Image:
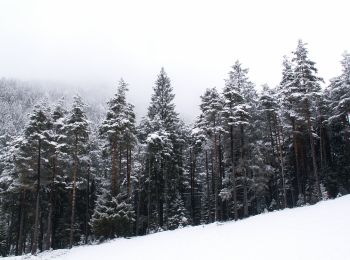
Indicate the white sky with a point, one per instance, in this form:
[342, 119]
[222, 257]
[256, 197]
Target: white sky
[94, 43]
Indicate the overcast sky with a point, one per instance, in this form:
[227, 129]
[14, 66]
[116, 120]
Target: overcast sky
[94, 43]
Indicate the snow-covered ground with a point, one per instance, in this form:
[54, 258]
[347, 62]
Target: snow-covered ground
[319, 232]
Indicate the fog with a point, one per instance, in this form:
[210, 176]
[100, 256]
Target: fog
[92, 44]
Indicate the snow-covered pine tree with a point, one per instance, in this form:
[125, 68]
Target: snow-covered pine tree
[112, 129]
[202, 192]
[339, 91]
[305, 93]
[32, 156]
[273, 143]
[193, 157]
[12, 191]
[338, 101]
[78, 136]
[239, 97]
[57, 156]
[164, 152]
[94, 174]
[289, 116]
[233, 98]
[119, 132]
[3, 234]
[209, 124]
[178, 214]
[113, 215]
[129, 142]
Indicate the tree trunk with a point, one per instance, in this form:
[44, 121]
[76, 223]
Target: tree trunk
[313, 150]
[322, 154]
[87, 215]
[220, 178]
[37, 208]
[48, 242]
[208, 186]
[271, 135]
[139, 189]
[41, 237]
[234, 195]
[19, 244]
[9, 238]
[128, 170]
[149, 192]
[75, 170]
[245, 188]
[216, 175]
[212, 178]
[192, 183]
[165, 193]
[281, 159]
[161, 194]
[49, 224]
[114, 168]
[119, 172]
[296, 154]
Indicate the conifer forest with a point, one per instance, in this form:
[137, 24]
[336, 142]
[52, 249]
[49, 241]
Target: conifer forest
[74, 173]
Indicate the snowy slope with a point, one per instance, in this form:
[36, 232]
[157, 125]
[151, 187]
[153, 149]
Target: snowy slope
[319, 232]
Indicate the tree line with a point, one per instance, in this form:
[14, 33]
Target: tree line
[67, 180]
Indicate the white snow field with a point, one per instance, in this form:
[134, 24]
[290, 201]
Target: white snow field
[319, 232]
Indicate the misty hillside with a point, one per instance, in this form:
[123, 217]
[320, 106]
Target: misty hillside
[17, 99]
[78, 168]
[319, 232]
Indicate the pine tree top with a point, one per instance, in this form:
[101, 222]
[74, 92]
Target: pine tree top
[162, 105]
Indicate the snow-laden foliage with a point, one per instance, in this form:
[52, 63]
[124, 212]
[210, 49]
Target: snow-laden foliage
[72, 173]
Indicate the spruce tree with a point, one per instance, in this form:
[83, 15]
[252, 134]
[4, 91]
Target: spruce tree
[33, 153]
[78, 132]
[119, 132]
[210, 125]
[289, 116]
[239, 98]
[57, 157]
[178, 216]
[305, 94]
[338, 101]
[118, 129]
[164, 154]
[273, 140]
[113, 216]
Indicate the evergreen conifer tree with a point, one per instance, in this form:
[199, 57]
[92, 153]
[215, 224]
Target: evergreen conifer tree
[78, 134]
[305, 93]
